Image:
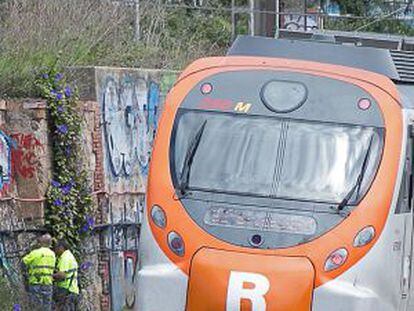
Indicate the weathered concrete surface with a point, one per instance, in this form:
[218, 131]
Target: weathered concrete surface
[119, 109]
[25, 163]
[25, 170]
[129, 104]
[126, 104]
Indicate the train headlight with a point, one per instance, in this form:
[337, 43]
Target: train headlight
[364, 104]
[158, 216]
[176, 243]
[364, 236]
[206, 88]
[336, 259]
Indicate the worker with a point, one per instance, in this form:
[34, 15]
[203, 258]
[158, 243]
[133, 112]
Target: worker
[66, 277]
[40, 265]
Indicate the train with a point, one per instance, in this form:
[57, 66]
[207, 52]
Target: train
[281, 179]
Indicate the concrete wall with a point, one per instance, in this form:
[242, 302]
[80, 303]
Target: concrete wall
[120, 109]
[129, 104]
[25, 169]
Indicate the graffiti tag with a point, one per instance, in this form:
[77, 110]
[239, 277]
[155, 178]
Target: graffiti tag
[129, 113]
[23, 155]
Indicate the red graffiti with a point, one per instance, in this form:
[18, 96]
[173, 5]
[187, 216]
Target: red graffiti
[131, 255]
[215, 104]
[23, 155]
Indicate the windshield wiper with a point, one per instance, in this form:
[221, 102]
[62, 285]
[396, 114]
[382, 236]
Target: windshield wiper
[191, 150]
[358, 183]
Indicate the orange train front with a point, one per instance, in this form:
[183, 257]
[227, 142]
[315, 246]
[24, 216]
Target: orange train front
[281, 179]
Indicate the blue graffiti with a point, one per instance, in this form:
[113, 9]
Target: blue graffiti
[122, 241]
[129, 110]
[5, 160]
[153, 102]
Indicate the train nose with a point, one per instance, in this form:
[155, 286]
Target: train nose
[232, 281]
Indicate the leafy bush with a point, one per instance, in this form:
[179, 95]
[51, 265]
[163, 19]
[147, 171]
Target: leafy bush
[377, 15]
[69, 200]
[388, 26]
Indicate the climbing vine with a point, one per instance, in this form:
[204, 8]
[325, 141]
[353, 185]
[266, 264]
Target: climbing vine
[69, 202]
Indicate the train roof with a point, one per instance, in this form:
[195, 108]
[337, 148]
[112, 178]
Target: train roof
[392, 56]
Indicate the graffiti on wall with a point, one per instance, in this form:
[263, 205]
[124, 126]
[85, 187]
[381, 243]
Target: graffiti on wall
[5, 160]
[298, 22]
[292, 19]
[24, 154]
[130, 106]
[18, 157]
[121, 240]
[129, 112]
[12, 248]
[4, 262]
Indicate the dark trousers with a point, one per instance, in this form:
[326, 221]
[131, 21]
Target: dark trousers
[65, 300]
[41, 297]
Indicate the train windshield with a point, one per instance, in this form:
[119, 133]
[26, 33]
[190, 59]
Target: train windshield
[274, 157]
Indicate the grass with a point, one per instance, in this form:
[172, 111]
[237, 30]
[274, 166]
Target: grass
[34, 33]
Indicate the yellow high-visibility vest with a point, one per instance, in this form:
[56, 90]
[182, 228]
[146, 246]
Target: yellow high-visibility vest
[40, 264]
[68, 264]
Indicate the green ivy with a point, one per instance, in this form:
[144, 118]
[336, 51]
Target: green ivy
[69, 201]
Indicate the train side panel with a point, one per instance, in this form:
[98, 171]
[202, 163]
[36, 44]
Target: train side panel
[377, 281]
